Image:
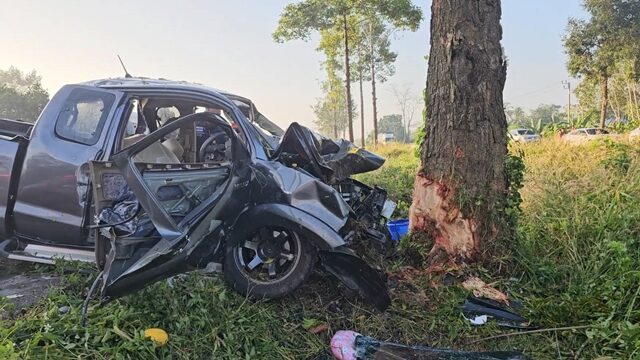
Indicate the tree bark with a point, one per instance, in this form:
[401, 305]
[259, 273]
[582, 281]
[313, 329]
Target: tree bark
[604, 101]
[374, 99]
[362, 141]
[461, 187]
[347, 71]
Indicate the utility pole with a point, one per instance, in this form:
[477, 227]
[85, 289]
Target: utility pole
[567, 85]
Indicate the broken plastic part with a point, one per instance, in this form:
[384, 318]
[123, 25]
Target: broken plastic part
[122, 215]
[358, 276]
[474, 307]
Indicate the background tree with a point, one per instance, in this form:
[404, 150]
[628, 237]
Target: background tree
[331, 114]
[22, 96]
[381, 20]
[546, 114]
[379, 59]
[361, 70]
[596, 46]
[408, 105]
[460, 191]
[515, 115]
[299, 20]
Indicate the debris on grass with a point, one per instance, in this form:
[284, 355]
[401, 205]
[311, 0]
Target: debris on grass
[159, 336]
[349, 345]
[319, 329]
[478, 311]
[481, 289]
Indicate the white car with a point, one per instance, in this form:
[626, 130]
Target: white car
[524, 135]
[586, 134]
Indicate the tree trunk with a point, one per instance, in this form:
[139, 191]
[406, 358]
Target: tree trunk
[335, 124]
[362, 141]
[461, 188]
[374, 100]
[604, 102]
[635, 102]
[347, 72]
[631, 104]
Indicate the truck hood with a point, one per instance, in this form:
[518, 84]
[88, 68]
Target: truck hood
[322, 157]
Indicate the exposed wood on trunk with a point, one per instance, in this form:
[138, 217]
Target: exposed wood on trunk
[347, 80]
[462, 182]
[604, 101]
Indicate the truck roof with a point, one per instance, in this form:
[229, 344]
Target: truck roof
[143, 82]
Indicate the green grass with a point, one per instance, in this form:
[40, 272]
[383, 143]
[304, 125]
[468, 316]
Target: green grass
[577, 262]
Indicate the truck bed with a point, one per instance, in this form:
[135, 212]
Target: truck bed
[11, 128]
[13, 145]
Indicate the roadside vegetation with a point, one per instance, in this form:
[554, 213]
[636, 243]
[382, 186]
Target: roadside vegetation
[577, 261]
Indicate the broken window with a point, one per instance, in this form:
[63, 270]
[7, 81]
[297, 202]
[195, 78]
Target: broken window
[83, 115]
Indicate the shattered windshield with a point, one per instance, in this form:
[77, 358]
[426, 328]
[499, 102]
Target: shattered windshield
[268, 141]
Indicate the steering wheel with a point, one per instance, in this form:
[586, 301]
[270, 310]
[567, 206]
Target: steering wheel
[214, 148]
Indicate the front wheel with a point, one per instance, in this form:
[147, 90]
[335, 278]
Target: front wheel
[271, 263]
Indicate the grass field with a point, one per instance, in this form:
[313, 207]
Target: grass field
[576, 262]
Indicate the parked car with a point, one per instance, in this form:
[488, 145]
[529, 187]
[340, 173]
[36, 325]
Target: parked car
[524, 135]
[106, 175]
[586, 134]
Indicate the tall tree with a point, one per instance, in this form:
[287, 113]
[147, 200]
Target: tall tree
[461, 188]
[515, 115]
[408, 104]
[380, 20]
[299, 20]
[331, 114]
[22, 96]
[597, 45]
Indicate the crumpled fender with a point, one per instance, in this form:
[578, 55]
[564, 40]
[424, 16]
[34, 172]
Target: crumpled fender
[310, 227]
[357, 275]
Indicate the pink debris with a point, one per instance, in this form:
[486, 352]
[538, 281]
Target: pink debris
[343, 345]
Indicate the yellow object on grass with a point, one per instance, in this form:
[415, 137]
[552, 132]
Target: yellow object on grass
[159, 336]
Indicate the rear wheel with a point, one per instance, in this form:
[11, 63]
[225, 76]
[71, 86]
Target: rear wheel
[271, 263]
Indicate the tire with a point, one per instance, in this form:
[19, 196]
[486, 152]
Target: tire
[290, 273]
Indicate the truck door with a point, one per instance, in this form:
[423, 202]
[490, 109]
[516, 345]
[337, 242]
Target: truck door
[187, 204]
[53, 192]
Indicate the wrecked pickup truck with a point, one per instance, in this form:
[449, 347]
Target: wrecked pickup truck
[151, 178]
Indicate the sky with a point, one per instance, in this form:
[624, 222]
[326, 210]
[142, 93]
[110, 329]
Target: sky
[228, 45]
